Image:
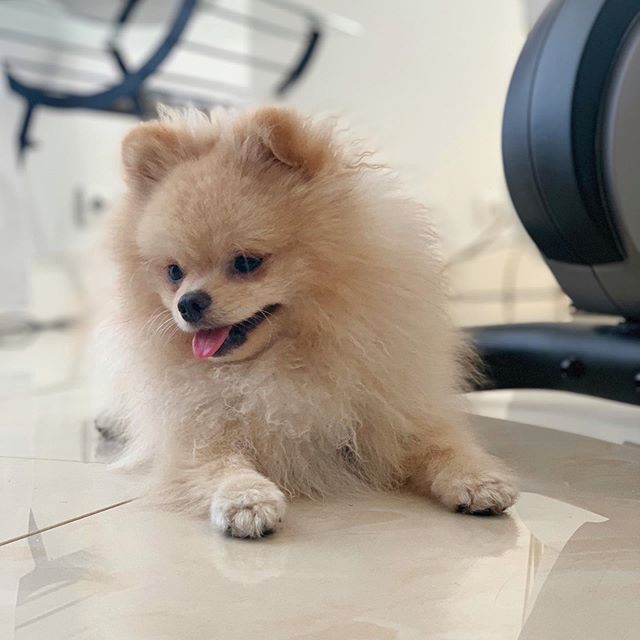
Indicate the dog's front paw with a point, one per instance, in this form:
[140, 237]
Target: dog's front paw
[480, 493]
[247, 505]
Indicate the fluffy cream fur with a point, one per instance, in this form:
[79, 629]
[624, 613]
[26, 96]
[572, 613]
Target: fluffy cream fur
[351, 384]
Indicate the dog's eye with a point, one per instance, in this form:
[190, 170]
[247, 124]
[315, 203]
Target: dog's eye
[175, 273]
[246, 264]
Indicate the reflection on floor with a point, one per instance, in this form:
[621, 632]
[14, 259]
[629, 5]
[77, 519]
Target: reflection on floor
[82, 558]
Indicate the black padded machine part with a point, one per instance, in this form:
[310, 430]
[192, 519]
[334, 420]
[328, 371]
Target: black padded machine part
[568, 160]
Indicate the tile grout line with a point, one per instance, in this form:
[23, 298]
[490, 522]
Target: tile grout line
[64, 522]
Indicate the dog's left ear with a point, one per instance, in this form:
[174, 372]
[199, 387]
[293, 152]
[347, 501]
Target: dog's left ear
[152, 149]
[283, 135]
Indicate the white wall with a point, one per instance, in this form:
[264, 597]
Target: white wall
[426, 82]
[15, 244]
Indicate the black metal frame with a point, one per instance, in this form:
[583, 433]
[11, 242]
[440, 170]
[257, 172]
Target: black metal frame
[129, 94]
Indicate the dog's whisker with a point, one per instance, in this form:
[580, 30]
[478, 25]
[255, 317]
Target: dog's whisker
[157, 317]
[165, 327]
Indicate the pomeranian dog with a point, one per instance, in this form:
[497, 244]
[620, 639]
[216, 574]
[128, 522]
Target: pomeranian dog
[280, 325]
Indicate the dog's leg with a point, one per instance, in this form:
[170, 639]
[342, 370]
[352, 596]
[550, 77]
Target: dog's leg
[463, 477]
[240, 501]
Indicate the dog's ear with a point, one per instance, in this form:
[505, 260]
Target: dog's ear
[152, 149]
[279, 133]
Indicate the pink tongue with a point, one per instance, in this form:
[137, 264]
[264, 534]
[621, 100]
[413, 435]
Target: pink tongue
[207, 342]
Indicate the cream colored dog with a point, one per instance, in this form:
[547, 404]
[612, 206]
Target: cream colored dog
[280, 326]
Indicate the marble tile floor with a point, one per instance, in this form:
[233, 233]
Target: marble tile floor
[82, 558]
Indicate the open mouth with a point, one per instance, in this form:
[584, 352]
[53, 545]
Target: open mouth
[213, 343]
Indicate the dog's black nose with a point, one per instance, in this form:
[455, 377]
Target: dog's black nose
[193, 304]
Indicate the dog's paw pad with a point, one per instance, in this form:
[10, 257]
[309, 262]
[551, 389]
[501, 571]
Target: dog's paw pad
[479, 494]
[248, 507]
[467, 508]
